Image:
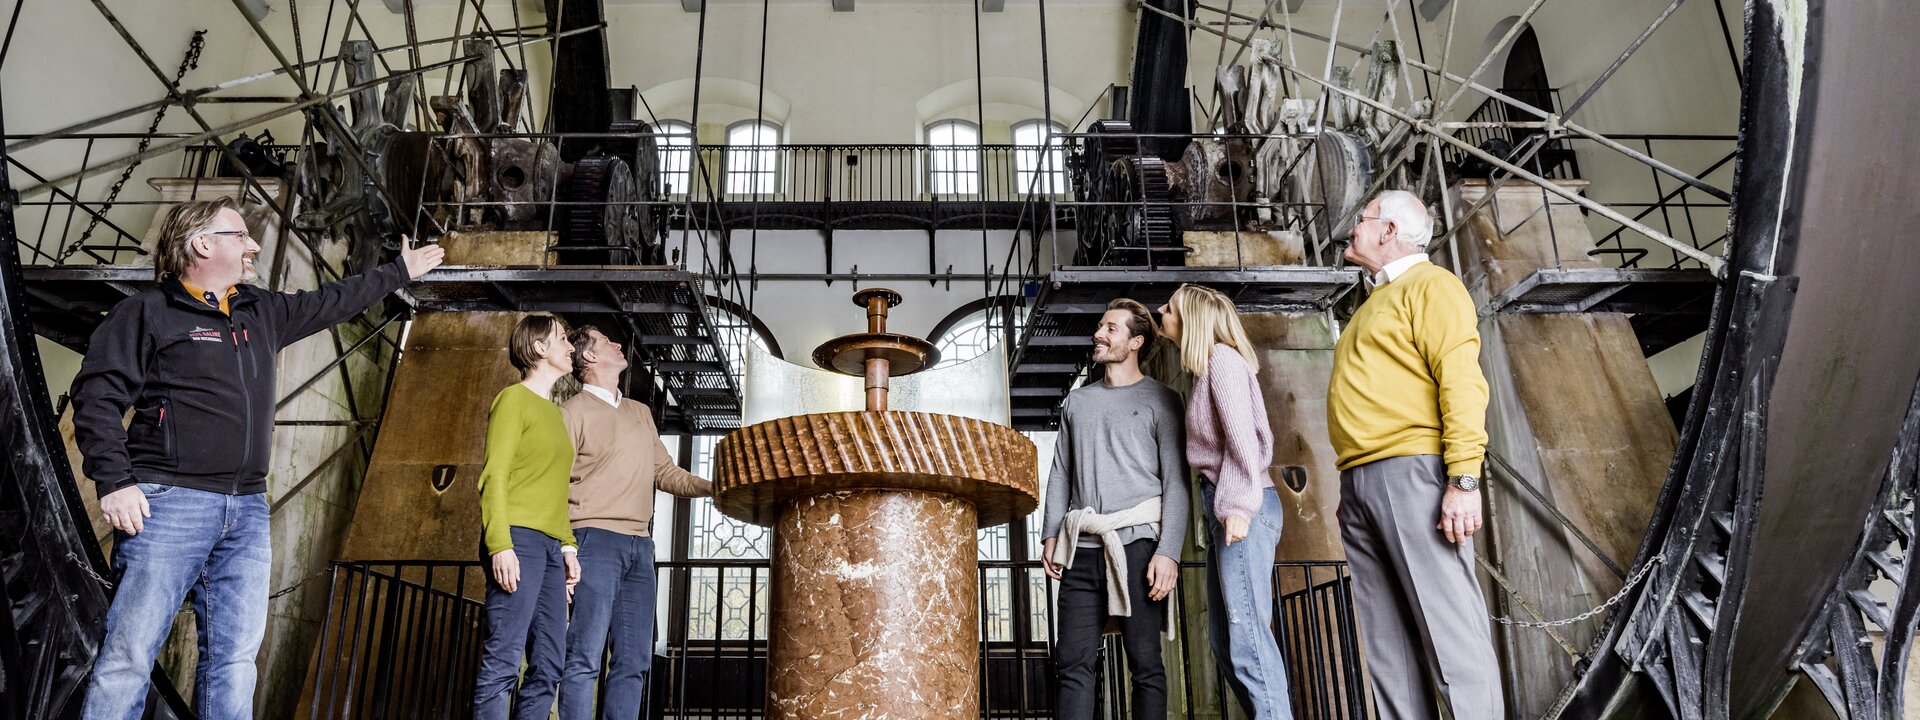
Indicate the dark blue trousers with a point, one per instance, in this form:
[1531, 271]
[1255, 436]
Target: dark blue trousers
[612, 605]
[531, 622]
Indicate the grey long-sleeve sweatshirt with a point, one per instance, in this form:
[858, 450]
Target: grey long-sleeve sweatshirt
[1117, 447]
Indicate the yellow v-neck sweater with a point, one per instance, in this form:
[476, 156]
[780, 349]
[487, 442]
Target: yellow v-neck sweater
[1406, 375]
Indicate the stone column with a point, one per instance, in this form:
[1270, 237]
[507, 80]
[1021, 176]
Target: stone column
[874, 595]
[875, 607]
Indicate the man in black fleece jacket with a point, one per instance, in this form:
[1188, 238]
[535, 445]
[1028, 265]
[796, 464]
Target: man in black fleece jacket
[184, 484]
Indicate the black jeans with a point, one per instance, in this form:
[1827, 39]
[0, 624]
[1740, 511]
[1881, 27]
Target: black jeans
[1083, 617]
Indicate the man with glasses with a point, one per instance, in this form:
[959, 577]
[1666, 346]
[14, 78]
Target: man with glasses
[1407, 411]
[184, 483]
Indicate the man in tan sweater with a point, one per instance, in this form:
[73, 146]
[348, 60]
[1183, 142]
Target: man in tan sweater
[618, 461]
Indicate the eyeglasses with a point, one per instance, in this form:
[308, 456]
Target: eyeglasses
[242, 234]
[1363, 218]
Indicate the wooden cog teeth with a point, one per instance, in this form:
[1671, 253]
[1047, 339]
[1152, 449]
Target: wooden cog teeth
[992, 465]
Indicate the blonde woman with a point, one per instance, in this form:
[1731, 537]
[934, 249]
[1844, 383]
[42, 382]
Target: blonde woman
[526, 536]
[1230, 444]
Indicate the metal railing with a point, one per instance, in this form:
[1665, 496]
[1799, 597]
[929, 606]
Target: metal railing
[75, 223]
[402, 639]
[863, 173]
[1683, 211]
[1486, 124]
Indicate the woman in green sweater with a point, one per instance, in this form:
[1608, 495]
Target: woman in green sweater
[527, 539]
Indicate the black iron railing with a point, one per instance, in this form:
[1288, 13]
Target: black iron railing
[1554, 161]
[78, 223]
[402, 639]
[863, 173]
[1683, 212]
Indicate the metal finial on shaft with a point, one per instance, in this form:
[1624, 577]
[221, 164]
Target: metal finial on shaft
[877, 355]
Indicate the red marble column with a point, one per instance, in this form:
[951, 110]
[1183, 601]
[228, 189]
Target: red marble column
[874, 610]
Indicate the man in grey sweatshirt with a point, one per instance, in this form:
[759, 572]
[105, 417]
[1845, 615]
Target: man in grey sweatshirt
[1119, 488]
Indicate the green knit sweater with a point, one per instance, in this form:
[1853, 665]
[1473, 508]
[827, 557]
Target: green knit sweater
[524, 481]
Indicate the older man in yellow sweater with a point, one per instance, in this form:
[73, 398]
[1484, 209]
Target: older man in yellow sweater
[1407, 411]
[618, 461]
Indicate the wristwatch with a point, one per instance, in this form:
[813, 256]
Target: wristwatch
[1466, 483]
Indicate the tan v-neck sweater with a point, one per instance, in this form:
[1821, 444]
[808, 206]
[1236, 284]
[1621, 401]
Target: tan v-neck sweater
[618, 460]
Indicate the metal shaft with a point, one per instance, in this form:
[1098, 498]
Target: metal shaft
[878, 367]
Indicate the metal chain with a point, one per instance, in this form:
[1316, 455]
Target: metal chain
[1612, 601]
[88, 569]
[108, 584]
[296, 586]
[190, 62]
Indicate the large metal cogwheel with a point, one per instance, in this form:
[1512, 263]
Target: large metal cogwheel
[1129, 214]
[1150, 224]
[1113, 148]
[614, 220]
[641, 151]
[1096, 181]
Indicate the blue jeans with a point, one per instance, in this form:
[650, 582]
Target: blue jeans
[530, 621]
[215, 544]
[615, 597]
[1240, 608]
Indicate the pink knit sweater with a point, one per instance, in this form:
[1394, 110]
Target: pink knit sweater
[1228, 437]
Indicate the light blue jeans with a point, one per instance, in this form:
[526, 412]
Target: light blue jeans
[1240, 609]
[215, 544]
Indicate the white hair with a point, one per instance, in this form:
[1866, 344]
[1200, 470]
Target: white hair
[1413, 226]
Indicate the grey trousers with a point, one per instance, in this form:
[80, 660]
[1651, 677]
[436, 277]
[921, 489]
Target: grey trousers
[1422, 616]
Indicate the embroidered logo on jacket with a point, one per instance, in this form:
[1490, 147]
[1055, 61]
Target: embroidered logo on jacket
[201, 334]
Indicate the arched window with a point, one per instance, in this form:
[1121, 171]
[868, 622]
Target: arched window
[972, 331]
[676, 157]
[1039, 165]
[953, 158]
[753, 158]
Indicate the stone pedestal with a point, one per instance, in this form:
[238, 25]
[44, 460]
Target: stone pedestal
[875, 607]
[875, 598]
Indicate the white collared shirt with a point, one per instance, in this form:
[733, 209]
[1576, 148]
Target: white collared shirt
[1395, 269]
[612, 397]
